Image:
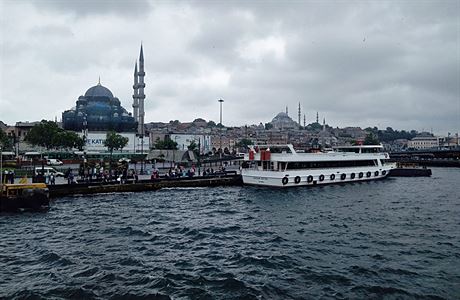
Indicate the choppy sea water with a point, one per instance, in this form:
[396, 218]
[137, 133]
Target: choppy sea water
[396, 238]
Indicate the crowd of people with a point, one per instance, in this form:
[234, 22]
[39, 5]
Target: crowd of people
[8, 177]
[97, 173]
[122, 174]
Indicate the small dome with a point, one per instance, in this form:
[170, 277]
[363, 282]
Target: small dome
[282, 115]
[98, 91]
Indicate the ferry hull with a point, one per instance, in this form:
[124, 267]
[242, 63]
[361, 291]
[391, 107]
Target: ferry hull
[312, 178]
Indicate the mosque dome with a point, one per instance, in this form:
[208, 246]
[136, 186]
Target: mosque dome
[283, 121]
[98, 110]
[282, 115]
[98, 91]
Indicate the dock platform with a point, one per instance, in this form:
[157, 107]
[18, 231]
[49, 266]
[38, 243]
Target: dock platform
[60, 190]
[410, 172]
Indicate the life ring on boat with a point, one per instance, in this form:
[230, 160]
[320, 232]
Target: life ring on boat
[285, 180]
[309, 178]
[352, 175]
[368, 174]
[343, 176]
[297, 179]
[321, 177]
[332, 177]
[361, 175]
[376, 173]
[384, 172]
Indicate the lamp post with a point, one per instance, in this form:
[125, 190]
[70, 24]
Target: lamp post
[1, 170]
[220, 134]
[142, 152]
[174, 151]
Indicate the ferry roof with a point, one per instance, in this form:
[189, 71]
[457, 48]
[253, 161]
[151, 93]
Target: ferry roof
[329, 156]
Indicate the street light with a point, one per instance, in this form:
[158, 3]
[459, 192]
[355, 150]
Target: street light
[1, 170]
[220, 135]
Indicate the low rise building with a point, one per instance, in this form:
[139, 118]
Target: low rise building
[184, 140]
[423, 142]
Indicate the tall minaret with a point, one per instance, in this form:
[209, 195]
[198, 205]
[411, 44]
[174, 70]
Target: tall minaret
[141, 96]
[317, 117]
[287, 110]
[299, 114]
[304, 120]
[136, 95]
[324, 124]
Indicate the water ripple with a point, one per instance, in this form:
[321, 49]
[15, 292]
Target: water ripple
[397, 238]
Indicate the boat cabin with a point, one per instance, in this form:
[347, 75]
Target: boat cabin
[283, 158]
[17, 190]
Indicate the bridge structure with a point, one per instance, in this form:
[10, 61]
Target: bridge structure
[429, 157]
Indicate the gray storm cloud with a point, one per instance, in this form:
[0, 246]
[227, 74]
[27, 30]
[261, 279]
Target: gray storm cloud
[357, 63]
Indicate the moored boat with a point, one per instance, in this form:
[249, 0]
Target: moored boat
[282, 166]
[19, 197]
[410, 170]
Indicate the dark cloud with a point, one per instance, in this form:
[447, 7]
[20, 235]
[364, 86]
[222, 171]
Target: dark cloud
[86, 8]
[378, 63]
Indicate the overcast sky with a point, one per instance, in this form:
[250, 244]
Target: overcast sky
[358, 63]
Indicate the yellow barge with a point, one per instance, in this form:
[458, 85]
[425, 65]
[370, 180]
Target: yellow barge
[20, 197]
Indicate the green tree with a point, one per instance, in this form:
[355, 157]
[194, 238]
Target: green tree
[69, 140]
[5, 141]
[193, 146]
[43, 134]
[315, 126]
[165, 144]
[244, 143]
[211, 124]
[371, 140]
[48, 134]
[114, 141]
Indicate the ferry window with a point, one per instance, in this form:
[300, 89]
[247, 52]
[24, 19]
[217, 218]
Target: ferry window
[282, 166]
[330, 164]
[279, 149]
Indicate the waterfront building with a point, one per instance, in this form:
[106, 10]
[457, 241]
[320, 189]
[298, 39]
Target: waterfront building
[95, 142]
[184, 140]
[17, 133]
[228, 142]
[423, 142]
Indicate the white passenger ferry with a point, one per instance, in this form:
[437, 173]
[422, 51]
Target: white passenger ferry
[282, 166]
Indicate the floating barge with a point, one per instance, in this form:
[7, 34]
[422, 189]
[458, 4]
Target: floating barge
[410, 170]
[24, 197]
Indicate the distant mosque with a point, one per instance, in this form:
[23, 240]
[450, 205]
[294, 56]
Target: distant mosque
[99, 110]
[283, 121]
